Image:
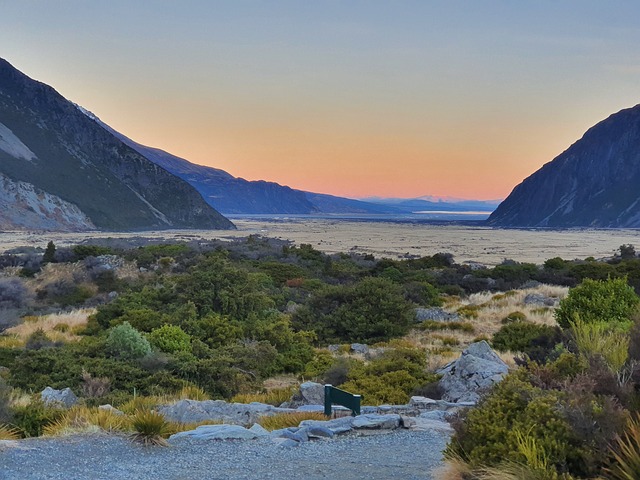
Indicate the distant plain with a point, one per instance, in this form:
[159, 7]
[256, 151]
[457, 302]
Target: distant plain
[484, 245]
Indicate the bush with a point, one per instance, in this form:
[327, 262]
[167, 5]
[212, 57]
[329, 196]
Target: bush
[521, 336]
[170, 339]
[514, 317]
[151, 428]
[611, 300]
[33, 418]
[6, 412]
[127, 343]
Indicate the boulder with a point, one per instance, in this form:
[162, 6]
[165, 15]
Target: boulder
[360, 348]
[310, 393]
[192, 411]
[540, 300]
[217, 432]
[299, 436]
[259, 430]
[337, 425]
[319, 432]
[435, 314]
[63, 398]
[372, 421]
[110, 408]
[285, 442]
[477, 369]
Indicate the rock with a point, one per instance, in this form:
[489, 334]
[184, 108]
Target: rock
[259, 430]
[319, 432]
[191, 411]
[63, 398]
[407, 422]
[217, 432]
[310, 393]
[337, 425]
[285, 442]
[110, 408]
[439, 415]
[360, 348]
[540, 300]
[313, 408]
[477, 369]
[334, 348]
[423, 424]
[369, 421]
[299, 436]
[435, 314]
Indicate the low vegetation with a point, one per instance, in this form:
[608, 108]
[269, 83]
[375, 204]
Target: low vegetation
[139, 326]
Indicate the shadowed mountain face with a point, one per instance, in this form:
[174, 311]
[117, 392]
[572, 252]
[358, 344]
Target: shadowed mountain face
[594, 183]
[47, 142]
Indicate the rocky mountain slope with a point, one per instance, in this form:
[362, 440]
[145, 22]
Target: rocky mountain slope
[46, 142]
[594, 183]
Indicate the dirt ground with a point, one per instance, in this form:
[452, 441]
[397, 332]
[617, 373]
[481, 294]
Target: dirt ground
[485, 245]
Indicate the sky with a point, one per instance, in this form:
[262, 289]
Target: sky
[348, 97]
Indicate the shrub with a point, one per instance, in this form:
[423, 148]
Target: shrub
[14, 293]
[94, 387]
[598, 338]
[170, 339]
[626, 453]
[514, 317]
[520, 336]
[126, 342]
[6, 413]
[38, 340]
[611, 300]
[32, 419]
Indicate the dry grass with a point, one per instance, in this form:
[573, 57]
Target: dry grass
[81, 419]
[484, 312]
[58, 327]
[285, 420]
[9, 433]
[452, 469]
[275, 397]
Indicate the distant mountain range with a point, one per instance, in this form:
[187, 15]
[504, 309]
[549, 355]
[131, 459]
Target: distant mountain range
[61, 168]
[594, 183]
[71, 173]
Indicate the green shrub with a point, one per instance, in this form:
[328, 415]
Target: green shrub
[31, 419]
[611, 300]
[597, 338]
[170, 339]
[488, 434]
[520, 336]
[127, 343]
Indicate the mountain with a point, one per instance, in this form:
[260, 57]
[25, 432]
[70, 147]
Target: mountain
[49, 147]
[222, 191]
[232, 195]
[428, 203]
[594, 183]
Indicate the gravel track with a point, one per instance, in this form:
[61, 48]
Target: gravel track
[400, 454]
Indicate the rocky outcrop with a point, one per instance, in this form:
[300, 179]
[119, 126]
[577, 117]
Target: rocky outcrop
[24, 207]
[435, 314]
[475, 372]
[61, 398]
[594, 183]
[192, 411]
[217, 432]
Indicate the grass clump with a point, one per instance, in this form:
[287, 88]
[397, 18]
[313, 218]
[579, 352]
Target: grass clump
[150, 428]
[626, 453]
[81, 419]
[285, 420]
[9, 433]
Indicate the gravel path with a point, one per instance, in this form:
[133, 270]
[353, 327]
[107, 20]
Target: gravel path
[400, 454]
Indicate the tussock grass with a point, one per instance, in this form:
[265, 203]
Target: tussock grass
[9, 433]
[150, 428]
[626, 453]
[599, 339]
[81, 419]
[285, 420]
[57, 326]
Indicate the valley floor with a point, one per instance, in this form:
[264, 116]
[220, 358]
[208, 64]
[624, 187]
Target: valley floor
[488, 246]
[400, 454]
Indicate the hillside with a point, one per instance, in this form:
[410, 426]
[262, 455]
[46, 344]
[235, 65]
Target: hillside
[45, 141]
[594, 183]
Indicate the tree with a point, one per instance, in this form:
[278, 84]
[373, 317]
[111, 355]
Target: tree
[50, 253]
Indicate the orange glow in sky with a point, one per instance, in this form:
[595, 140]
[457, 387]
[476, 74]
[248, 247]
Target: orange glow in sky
[358, 98]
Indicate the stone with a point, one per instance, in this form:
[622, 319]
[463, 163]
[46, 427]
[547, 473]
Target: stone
[426, 424]
[259, 430]
[192, 411]
[285, 442]
[217, 432]
[337, 425]
[372, 421]
[310, 393]
[313, 408]
[477, 370]
[360, 348]
[63, 398]
[299, 436]
[320, 432]
[540, 300]
[435, 314]
[110, 408]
